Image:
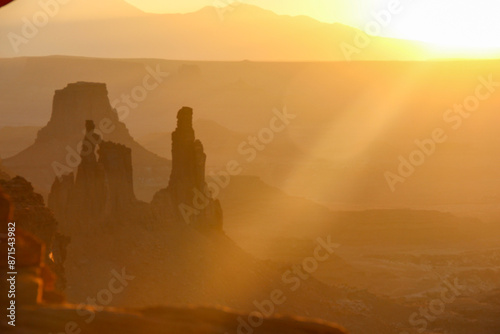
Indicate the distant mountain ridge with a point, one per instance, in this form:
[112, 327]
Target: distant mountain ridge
[242, 32]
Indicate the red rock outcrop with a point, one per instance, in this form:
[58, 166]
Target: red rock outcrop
[39, 248]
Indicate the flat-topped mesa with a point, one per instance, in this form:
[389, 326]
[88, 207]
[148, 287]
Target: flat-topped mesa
[56, 151]
[73, 105]
[103, 188]
[187, 194]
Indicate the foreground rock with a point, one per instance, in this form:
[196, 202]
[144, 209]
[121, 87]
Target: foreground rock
[34, 316]
[35, 224]
[164, 320]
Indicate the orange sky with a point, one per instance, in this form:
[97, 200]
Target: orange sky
[460, 29]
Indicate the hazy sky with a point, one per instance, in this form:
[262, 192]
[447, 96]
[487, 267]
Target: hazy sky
[444, 22]
[463, 23]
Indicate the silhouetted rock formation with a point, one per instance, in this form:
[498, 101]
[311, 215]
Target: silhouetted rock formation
[56, 148]
[187, 193]
[103, 189]
[75, 104]
[171, 262]
[188, 159]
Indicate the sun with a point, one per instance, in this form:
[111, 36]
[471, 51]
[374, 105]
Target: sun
[460, 25]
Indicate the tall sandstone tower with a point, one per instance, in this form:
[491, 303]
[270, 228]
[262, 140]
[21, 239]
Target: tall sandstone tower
[102, 191]
[187, 194]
